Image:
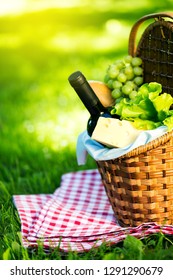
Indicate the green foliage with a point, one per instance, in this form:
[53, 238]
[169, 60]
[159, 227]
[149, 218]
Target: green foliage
[148, 109]
[155, 247]
[39, 112]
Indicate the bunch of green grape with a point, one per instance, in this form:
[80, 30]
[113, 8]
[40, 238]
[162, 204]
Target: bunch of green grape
[124, 77]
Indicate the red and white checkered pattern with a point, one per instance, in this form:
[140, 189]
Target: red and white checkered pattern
[77, 216]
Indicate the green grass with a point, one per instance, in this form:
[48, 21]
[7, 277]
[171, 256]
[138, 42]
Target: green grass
[39, 112]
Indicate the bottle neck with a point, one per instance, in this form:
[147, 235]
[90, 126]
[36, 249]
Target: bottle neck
[86, 94]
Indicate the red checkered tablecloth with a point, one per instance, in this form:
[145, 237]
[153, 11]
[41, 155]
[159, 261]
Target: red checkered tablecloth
[76, 217]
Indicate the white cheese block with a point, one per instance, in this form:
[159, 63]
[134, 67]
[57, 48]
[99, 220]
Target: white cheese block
[114, 133]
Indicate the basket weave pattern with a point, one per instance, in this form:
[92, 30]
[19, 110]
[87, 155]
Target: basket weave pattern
[155, 48]
[139, 185]
[140, 188]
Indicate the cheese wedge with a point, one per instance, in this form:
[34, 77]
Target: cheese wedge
[114, 133]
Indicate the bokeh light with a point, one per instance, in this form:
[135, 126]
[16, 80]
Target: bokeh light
[41, 43]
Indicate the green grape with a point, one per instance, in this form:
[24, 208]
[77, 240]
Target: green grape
[138, 71]
[136, 61]
[126, 89]
[119, 64]
[128, 71]
[117, 84]
[130, 77]
[113, 71]
[138, 80]
[128, 59]
[122, 78]
[131, 84]
[110, 84]
[116, 93]
[133, 94]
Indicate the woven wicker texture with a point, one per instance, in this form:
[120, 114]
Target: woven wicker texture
[156, 50]
[139, 185]
[140, 188]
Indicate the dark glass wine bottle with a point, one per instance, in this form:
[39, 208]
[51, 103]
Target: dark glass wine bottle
[89, 99]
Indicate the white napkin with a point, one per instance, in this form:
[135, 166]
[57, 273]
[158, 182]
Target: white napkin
[86, 145]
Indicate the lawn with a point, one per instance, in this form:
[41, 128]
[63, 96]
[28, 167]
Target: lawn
[40, 113]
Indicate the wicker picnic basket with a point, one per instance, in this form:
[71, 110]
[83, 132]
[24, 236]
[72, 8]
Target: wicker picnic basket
[139, 184]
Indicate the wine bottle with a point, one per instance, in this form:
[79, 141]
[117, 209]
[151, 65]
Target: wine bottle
[89, 99]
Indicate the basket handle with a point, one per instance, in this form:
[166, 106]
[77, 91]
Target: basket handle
[132, 37]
